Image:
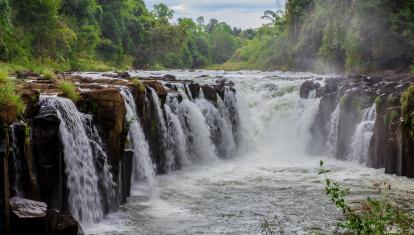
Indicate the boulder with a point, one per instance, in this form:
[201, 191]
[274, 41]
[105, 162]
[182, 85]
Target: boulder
[169, 77]
[307, 87]
[124, 75]
[28, 217]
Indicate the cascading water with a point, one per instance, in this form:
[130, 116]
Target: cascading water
[166, 142]
[82, 179]
[361, 139]
[176, 132]
[201, 146]
[272, 174]
[221, 132]
[106, 182]
[333, 130]
[143, 168]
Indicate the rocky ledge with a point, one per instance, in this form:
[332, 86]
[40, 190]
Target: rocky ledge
[344, 106]
[33, 140]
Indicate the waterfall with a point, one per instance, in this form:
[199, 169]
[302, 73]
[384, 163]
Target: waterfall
[143, 168]
[82, 178]
[176, 132]
[106, 182]
[333, 130]
[17, 164]
[220, 131]
[162, 130]
[361, 139]
[201, 146]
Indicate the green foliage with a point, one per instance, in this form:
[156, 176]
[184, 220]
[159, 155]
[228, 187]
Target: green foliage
[139, 85]
[8, 93]
[407, 101]
[68, 90]
[334, 36]
[103, 35]
[371, 216]
[49, 75]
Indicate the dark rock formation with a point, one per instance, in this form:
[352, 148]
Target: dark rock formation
[48, 158]
[28, 217]
[307, 87]
[59, 224]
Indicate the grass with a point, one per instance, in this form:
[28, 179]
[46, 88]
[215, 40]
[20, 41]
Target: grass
[69, 90]
[370, 216]
[138, 84]
[234, 66]
[49, 74]
[8, 93]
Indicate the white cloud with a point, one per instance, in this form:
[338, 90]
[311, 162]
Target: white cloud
[240, 13]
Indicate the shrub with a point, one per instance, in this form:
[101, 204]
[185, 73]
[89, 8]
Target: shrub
[49, 74]
[371, 216]
[69, 90]
[407, 102]
[8, 94]
[139, 85]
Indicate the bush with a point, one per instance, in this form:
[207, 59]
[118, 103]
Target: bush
[8, 94]
[49, 75]
[139, 85]
[69, 90]
[371, 216]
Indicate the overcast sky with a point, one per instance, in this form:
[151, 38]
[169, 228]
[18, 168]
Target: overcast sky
[239, 13]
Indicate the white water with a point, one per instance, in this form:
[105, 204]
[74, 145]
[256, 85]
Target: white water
[333, 130]
[176, 132]
[82, 178]
[362, 137]
[201, 146]
[143, 168]
[271, 174]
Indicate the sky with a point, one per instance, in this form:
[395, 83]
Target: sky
[239, 13]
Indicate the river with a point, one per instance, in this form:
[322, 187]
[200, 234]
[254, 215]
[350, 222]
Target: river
[269, 175]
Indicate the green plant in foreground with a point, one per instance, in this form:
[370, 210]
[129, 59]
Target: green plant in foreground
[371, 216]
[69, 90]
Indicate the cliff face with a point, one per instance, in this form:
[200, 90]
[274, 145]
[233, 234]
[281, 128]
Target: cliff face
[32, 148]
[387, 133]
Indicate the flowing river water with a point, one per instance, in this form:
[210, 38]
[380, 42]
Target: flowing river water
[269, 174]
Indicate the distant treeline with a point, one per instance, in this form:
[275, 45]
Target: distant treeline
[91, 34]
[355, 36]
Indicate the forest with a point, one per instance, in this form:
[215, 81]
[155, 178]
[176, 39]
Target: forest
[106, 34]
[308, 35]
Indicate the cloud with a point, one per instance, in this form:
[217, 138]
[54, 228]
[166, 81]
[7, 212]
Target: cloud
[240, 13]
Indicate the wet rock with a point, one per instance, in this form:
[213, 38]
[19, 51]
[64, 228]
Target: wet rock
[111, 75]
[27, 75]
[108, 110]
[209, 93]
[48, 157]
[194, 90]
[307, 87]
[158, 87]
[169, 77]
[126, 175]
[62, 224]
[28, 217]
[124, 75]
